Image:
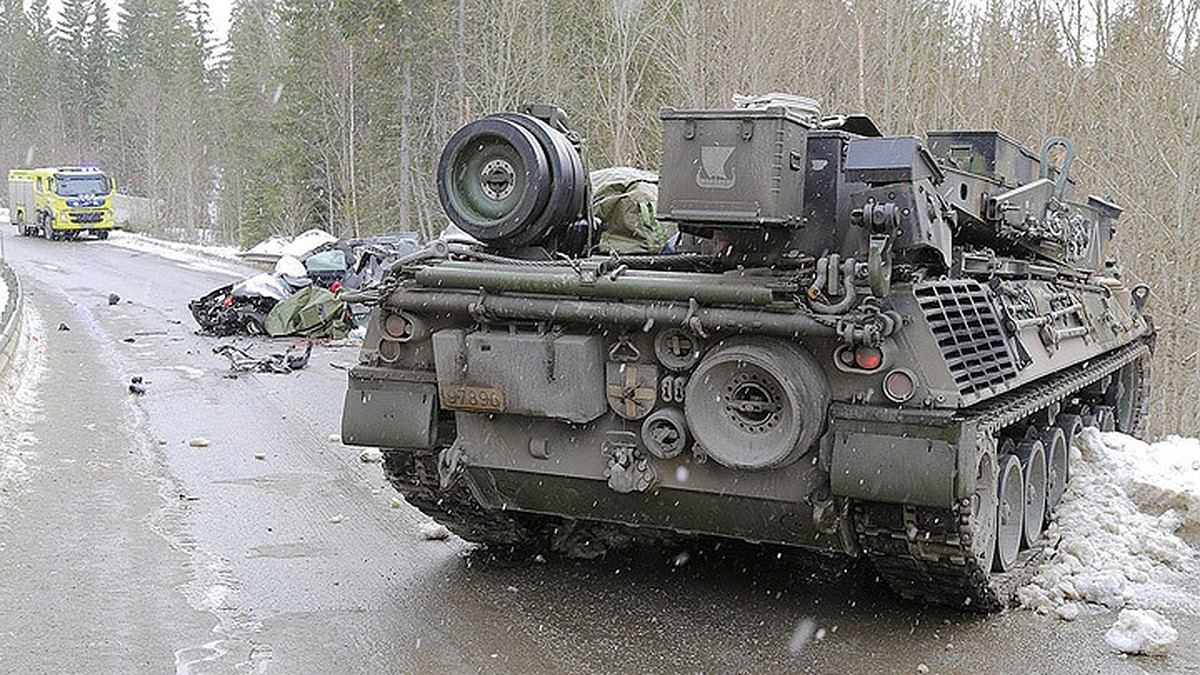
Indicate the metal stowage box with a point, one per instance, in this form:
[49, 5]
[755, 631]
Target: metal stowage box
[539, 375]
[748, 167]
[985, 152]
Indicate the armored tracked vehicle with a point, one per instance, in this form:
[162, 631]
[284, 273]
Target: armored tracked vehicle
[858, 344]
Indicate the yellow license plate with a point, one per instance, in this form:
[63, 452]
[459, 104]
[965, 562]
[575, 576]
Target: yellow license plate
[468, 397]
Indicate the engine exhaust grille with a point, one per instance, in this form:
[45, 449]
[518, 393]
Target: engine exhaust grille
[968, 331]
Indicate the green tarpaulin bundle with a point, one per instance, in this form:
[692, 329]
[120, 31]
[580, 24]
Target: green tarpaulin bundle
[625, 201]
[310, 312]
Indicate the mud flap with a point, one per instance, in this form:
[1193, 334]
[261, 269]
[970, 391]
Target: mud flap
[894, 469]
[389, 413]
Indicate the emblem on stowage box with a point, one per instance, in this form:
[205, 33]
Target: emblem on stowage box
[711, 174]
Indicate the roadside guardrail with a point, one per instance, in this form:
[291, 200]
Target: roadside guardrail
[10, 318]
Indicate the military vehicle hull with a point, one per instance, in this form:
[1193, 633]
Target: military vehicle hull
[911, 398]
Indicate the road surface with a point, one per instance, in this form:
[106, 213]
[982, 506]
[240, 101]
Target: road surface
[215, 525]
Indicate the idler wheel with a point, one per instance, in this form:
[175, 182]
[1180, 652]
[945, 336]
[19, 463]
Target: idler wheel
[1033, 465]
[756, 403]
[1010, 513]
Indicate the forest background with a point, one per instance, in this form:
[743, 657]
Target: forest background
[332, 113]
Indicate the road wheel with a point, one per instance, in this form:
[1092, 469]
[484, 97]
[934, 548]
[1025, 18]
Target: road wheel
[1033, 464]
[983, 513]
[756, 403]
[1054, 443]
[1129, 397]
[1010, 513]
[494, 180]
[102, 234]
[1072, 427]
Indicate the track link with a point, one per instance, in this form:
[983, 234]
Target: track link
[414, 474]
[925, 554]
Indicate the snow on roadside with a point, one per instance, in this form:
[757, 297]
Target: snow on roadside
[1121, 534]
[20, 405]
[219, 259]
[1142, 631]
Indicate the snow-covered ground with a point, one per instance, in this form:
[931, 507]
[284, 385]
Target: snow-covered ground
[193, 256]
[3, 286]
[3, 296]
[1125, 537]
[20, 404]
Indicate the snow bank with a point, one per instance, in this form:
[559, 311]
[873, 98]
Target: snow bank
[1120, 536]
[3, 296]
[179, 252]
[433, 531]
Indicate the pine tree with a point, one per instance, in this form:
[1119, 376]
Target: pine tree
[249, 188]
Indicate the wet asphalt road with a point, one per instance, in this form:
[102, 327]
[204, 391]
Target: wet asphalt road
[125, 549]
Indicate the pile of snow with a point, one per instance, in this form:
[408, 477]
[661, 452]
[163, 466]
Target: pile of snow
[433, 531]
[1141, 631]
[1121, 534]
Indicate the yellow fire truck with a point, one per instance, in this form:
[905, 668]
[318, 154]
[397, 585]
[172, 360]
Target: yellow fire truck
[61, 202]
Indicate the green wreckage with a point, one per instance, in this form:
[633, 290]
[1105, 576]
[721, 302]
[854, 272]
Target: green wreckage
[857, 344]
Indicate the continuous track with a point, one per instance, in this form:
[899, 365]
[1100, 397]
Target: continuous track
[925, 553]
[414, 474]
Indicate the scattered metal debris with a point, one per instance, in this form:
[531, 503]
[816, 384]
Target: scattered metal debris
[241, 361]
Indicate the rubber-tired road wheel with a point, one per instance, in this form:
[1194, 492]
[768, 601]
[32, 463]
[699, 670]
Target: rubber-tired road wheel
[493, 179]
[1010, 513]
[1054, 444]
[983, 513]
[1033, 465]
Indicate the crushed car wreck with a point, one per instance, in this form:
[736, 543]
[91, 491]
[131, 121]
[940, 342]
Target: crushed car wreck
[299, 297]
[240, 308]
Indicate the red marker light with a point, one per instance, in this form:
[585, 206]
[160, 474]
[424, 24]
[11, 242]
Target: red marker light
[868, 358]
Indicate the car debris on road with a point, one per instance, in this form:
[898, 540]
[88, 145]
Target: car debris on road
[241, 361]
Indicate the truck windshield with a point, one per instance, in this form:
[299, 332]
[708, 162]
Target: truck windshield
[73, 186]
